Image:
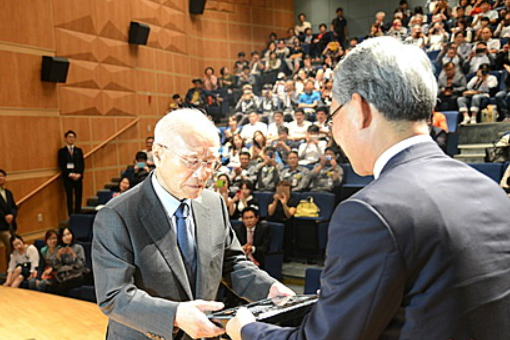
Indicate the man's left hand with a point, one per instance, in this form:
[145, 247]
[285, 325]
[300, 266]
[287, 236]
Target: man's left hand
[242, 318]
[278, 289]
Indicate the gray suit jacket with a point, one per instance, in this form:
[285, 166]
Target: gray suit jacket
[140, 277]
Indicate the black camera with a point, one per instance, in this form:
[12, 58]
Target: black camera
[485, 72]
[480, 50]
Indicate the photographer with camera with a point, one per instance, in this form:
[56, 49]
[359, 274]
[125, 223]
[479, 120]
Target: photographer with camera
[327, 173]
[142, 169]
[480, 55]
[311, 151]
[267, 174]
[479, 90]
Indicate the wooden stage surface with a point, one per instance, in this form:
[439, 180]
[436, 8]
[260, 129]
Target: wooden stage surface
[27, 314]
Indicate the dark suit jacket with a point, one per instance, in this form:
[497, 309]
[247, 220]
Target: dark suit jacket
[140, 276]
[423, 252]
[7, 208]
[64, 157]
[261, 239]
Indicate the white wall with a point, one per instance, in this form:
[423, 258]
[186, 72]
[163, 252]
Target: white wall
[359, 13]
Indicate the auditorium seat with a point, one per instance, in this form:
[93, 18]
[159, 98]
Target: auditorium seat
[264, 198]
[312, 280]
[452, 120]
[274, 259]
[103, 196]
[492, 170]
[352, 182]
[81, 226]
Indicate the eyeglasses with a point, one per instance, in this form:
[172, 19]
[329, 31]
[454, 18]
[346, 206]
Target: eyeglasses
[332, 115]
[193, 163]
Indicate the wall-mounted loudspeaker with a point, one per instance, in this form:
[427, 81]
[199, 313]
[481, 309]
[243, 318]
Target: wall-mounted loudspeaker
[196, 6]
[138, 33]
[54, 69]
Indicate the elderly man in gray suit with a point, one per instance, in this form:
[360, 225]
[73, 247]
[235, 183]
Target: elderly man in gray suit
[161, 249]
[422, 252]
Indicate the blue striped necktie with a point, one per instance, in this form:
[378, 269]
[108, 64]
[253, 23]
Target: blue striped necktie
[184, 239]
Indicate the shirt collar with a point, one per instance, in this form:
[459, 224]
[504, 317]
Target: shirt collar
[385, 157]
[170, 203]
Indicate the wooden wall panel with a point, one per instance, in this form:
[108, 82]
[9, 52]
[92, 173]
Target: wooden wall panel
[27, 22]
[110, 81]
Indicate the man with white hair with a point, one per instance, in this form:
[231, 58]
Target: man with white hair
[161, 249]
[423, 252]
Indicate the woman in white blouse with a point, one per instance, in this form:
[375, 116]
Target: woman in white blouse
[23, 264]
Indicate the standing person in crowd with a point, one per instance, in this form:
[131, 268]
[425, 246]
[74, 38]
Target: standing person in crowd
[47, 271]
[70, 262]
[254, 236]
[148, 150]
[72, 165]
[187, 233]
[302, 24]
[267, 173]
[8, 213]
[423, 251]
[23, 262]
[326, 174]
[479, 89]
[297, 175]
[339, 25]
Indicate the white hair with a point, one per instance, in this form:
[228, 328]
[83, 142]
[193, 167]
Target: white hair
[174, 126]
[396, 79]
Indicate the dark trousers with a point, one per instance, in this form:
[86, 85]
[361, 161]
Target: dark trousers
[77, 187]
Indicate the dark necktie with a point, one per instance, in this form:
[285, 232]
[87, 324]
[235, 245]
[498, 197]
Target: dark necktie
[184, 239]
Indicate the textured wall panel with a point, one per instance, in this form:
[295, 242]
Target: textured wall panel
[146, 81]
[172, 19]
[80, 125]
[80, 101]
[76, 15]
[146, 11]
[83, 74]
[119, 103]
[76, 45]
[117, 78]
[113, 18]
[115, 52]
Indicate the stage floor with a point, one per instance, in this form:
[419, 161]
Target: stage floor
[27, 314]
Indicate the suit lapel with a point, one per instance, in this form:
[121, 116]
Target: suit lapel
[155, 221]
[203, 237]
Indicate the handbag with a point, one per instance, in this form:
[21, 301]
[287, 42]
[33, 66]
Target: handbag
[500, 151]
[307, 208]
[69, 272]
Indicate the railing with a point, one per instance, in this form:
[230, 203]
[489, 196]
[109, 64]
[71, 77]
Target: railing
[88, 154]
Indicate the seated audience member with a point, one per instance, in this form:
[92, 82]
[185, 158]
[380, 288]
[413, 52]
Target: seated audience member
[269, 103]
[449, 55]
[283, 145]
[327, 92]
[289, 99]
[256, 65]
[271, 68]
[248, 102]
[478, 88]
[196, 96]
[484, 23]
[227, 81]
[272, 129]
[243, 199]
[232, 129]
[505, 180]
[232, 150]
[141, 168]
[70, 262]
[311, 151]
[296, 56]
[485, 12]
[124, 186]
[222, 186]
[298, 127]
[246, 78]
[282, 207]
[464, 48]
[493, 45]
[502, 97]
[240, 63]
[417, 37]
[309, 100]
[302, 25]
[503, 28]
[451, 85]
[46, 273]
[320, 41]
[479, 56]
[326, 174]
[503, 57]
[437, 37]
[210, 80]
[283, 53]
[244, 172]
[176, 103]
[8, 213]
[267, 173]
[257, 147]
[254, 236]
[253, 125]
[397, 30]
[148, 150]
[295, 174]
[22, 264]
[322, 118]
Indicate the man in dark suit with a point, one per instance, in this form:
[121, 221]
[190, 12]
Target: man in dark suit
[72, 165]
[255, 237]
[8, 212]
[423, 252]
[167, 242]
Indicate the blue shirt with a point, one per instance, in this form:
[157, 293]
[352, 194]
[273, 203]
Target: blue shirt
[306, 98]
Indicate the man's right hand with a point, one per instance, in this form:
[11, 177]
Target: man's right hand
[191, 319]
